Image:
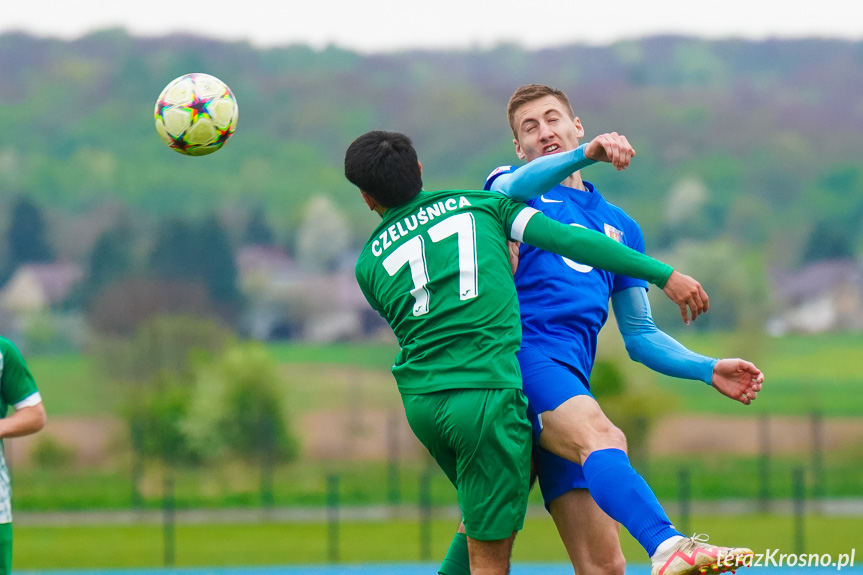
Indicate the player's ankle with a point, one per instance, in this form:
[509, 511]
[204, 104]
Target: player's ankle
[665, 548]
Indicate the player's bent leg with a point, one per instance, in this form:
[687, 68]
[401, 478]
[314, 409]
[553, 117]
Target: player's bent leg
[490, 557]
[578, 427]
[591, 537]
[614, 485]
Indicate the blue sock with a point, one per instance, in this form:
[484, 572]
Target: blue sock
[624, 495]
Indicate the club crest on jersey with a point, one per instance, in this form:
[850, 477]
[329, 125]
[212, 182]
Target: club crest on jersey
[614, 233]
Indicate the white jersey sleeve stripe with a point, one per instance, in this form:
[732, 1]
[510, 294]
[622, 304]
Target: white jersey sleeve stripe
[520, 223]
[29, 401]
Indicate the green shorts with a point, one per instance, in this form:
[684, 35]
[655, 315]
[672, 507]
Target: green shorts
[5, 548]
[481, 438]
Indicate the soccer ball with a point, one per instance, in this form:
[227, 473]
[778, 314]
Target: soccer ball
[196, 114]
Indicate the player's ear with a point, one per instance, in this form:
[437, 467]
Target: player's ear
[421, 167]
[518, 151]
[578, 127]
[370, 201]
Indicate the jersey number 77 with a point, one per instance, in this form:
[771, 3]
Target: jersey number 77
[412, 252]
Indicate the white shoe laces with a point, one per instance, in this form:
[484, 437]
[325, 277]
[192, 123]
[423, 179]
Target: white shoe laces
[696, 540]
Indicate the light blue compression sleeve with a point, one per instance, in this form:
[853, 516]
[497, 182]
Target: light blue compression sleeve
[541, 175]
[646, 344]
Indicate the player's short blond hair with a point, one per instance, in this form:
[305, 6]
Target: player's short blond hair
[529, 93]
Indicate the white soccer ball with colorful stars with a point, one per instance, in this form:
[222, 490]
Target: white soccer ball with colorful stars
[196, 114]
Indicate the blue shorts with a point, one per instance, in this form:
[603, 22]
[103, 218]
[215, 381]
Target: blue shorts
[547, 384]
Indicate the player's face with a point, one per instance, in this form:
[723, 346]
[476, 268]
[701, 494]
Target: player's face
[545, 127]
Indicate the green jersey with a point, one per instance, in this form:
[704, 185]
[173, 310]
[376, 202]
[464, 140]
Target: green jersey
[437, 269]
[18, 389]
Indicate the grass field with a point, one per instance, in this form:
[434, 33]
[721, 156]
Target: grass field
[371, 483]
[315, 377]
[80, 547]
[803, 373]
[232, 485]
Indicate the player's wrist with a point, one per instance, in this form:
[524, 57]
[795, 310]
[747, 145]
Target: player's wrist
[590, 153]
[711, 375]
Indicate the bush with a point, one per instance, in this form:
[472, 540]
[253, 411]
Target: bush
[49, 453]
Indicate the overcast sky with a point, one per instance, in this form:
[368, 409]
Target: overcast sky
[381, 25]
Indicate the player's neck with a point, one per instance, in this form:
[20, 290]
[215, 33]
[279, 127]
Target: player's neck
[575, 182]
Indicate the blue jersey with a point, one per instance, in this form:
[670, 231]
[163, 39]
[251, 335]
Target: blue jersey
[563, 303]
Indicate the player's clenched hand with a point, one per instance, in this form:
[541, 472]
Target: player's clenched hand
[688, 294]
[737, 379]
[613, 148]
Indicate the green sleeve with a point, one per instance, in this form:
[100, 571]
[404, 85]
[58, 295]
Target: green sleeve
[17, 381]
[592, 248]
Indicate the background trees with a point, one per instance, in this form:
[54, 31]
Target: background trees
[753, 143]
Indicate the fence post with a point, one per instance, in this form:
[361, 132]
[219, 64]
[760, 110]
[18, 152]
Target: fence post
[333, 518]
[425, 513]
[137, 471]
[764, 462]
[817, 463]
[268, 457]
[394, 493]
[168, 519]
[685, 498]
[798, 488]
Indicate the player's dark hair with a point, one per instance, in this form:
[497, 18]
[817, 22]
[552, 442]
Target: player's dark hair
[384, 165]
[529, 93]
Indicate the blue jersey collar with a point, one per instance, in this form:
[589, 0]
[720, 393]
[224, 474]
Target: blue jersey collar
[588, 198]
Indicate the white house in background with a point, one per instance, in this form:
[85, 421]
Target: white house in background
[274, 285]
[286, 302]
[39, 286]
[823, 296]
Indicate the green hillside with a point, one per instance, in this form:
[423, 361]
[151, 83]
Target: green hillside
[770, 129]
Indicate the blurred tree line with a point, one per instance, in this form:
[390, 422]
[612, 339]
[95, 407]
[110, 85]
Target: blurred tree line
[746, 150]
[180, 266]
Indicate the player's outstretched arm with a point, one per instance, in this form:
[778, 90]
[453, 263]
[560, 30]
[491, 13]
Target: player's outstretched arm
[588, 247]
[645, 343]
[542, 174]
[648, 345]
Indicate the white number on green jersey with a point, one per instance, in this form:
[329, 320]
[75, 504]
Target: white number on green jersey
[575, 265]
[412, 252]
